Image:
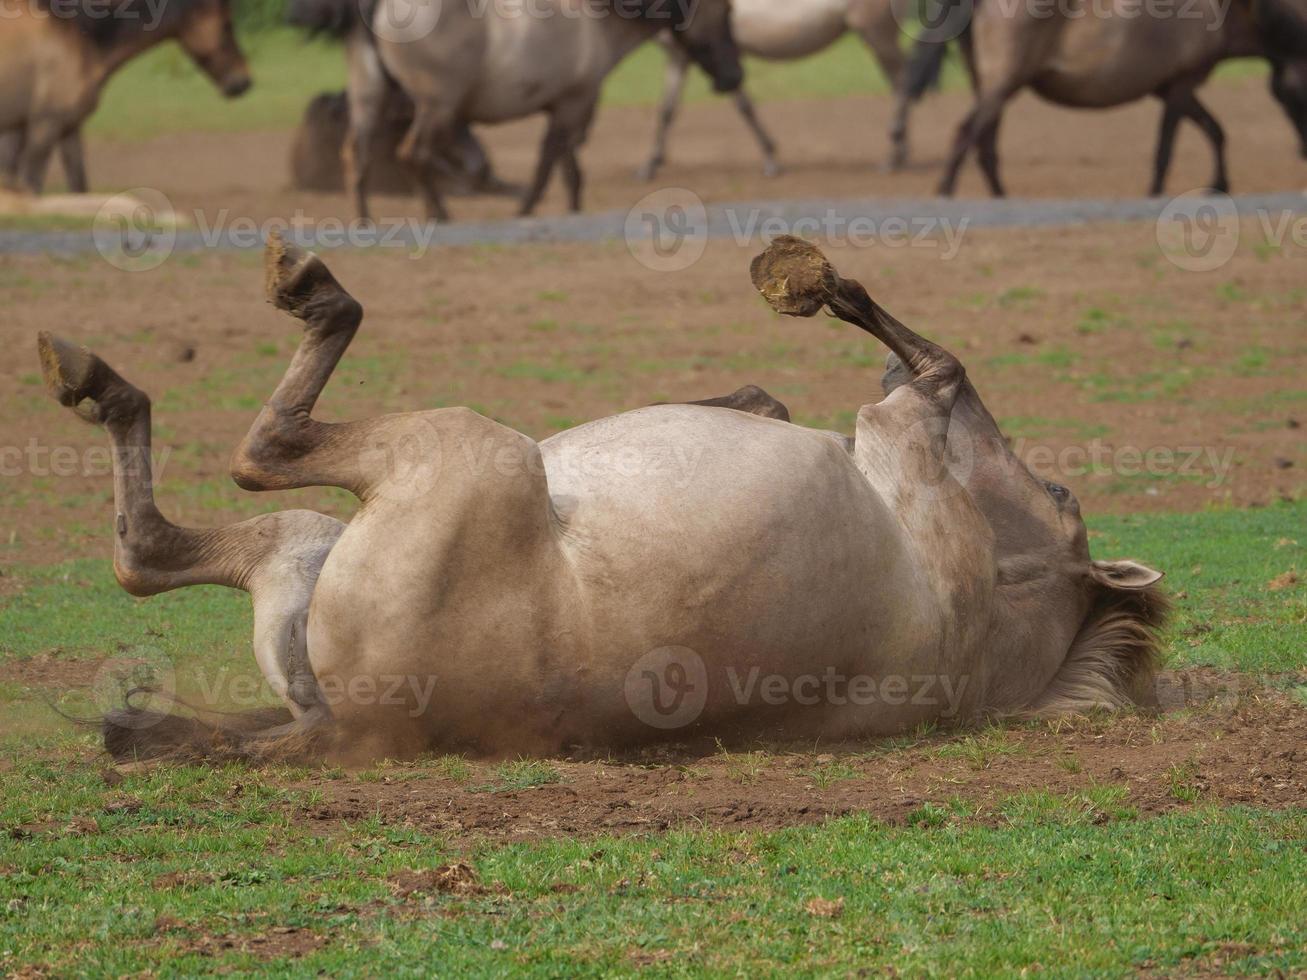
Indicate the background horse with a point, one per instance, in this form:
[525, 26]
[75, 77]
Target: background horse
[495, 65]
[1105, 57]
[54, 62]
[787, 30]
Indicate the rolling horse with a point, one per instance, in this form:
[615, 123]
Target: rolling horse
[619, 582]
[56, 58]
[459, 65]
[1099, 56]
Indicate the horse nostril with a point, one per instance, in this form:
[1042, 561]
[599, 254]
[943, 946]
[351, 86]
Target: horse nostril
[236, 86]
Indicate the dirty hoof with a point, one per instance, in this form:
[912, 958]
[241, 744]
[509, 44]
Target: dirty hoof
[300, 283]
[794, 277]
[68, 369]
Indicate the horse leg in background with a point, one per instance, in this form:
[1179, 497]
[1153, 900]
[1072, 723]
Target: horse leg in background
[275, 557]
[11, 148]
[480, 170]
[979, 129]
[750, 399]
[1196, 111]
[73, 157]
[369, 89]
[426, 152]
[678, 67]
[1171, 116]
[34, 157]
[875, 23]
[569, 124]
[770, 167]
[572, 175]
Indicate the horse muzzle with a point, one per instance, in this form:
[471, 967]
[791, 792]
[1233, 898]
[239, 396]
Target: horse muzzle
[236, 84]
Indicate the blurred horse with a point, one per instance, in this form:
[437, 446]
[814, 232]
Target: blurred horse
[1114, 54]
[462, 65]
[55, 59]
[787, 30]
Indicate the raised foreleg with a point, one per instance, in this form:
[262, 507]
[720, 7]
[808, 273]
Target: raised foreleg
[275, 557]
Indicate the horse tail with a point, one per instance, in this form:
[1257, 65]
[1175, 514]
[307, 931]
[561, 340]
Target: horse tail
[926, 62]
[336, 18]
[134, 734]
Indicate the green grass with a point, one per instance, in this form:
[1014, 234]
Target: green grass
[1074, 884]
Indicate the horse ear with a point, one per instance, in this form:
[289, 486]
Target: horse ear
[1124, 574]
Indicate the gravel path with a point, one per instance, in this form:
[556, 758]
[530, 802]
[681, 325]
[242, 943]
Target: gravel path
[688, 219]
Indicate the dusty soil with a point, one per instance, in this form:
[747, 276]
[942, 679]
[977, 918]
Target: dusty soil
[1089, 346]
[831, 148]
[1239, 745]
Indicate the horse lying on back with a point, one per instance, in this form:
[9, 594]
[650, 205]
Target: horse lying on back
[695, 569]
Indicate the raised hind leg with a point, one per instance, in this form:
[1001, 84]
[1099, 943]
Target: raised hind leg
[909, 428]
[274, 557]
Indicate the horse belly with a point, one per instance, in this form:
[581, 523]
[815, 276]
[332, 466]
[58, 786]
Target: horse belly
[756, 559]
[1110, 61]
[785, 30]
[529, 64]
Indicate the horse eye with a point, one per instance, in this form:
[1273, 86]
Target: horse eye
[1057, 491]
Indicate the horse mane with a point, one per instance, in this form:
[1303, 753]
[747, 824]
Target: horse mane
[1113, 658]
[1282, 27]
[106, 28]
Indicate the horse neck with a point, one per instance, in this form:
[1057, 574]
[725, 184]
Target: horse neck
[106, 61]
[625, 34]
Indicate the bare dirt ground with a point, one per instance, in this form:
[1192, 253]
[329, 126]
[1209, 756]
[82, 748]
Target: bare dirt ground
[831, 148]
[1223, 741]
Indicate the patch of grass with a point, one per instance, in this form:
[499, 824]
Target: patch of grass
[831, 772]
[523, 774]
[1183, 782]
[980, 749]
[1219, 566]
[941, 896]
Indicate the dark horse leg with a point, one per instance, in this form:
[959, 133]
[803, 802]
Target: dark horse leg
[980, 130]
[1181, 103]
[750, 399]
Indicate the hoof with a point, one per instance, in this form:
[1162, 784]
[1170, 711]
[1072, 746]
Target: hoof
[68, 369]
[300, 283]
[794, 277]
[772, 169]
